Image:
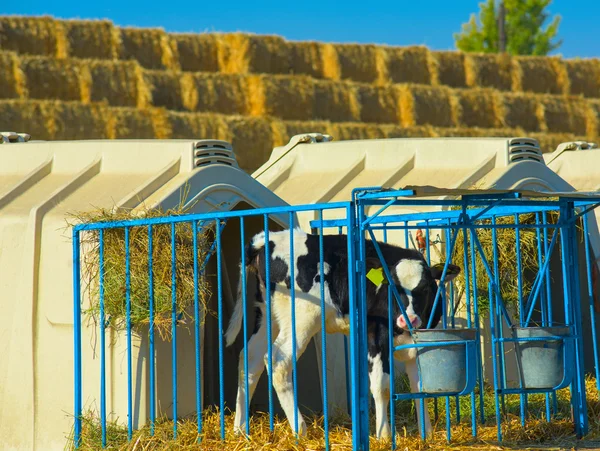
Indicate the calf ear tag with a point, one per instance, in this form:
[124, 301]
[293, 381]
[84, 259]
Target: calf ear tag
[376, 276]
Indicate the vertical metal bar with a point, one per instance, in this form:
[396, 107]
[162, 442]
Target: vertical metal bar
[323, 332]
[220, 309]
[590, 263]
[294, 343]
[77, 337]
[197, 329]
[549, 294]
[174, 326]
[102, 340]
[391, 355]
[428, 254]
[445, 326]
[453, 322]
[499, 323]
[128, 313]
[523, 403]
[245, 320]
[268, 320]
[478, 334]
[493, 331]
[151, 361]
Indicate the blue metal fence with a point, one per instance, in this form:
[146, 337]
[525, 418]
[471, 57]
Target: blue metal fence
[473, 214]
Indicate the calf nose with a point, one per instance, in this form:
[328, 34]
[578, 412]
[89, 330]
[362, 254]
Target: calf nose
[415, 321]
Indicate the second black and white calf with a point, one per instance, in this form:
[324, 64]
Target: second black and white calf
[414, 279]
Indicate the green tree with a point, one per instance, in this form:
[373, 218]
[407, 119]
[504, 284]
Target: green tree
[524, 20]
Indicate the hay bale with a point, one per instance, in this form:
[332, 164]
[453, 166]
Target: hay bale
[410, 65]
[26, 116]
[33, 36]
[49, 78]
[489, 71]
[479, 108]
[336, 102]
[395, 131]
[550, 141]
[12, 82]
[243, 53]
[564, 114]
[252, 140]
[546, 75]
[197, 52]
[420, 105]
[73, 120]
[212, 93]
[466, 132]
[291, 128]
[349, 131]
[521, 110]
[379, 104]
[152, 48]
[196, 125]
[164, 88]
[283, 96]
[584, 76]
[119, 83]
[450, 68]
[97, 39]
[594, 106]
[130, 123]
[307, 58]
[355, 62]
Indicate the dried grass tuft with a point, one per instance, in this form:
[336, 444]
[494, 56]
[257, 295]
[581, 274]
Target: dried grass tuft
[306, 58]
[411, 65]
[215, 93]
[282, 96]
[489, 71]
[479, 108]
[244, 53]
[151, 48]
[197, 52]
[379, 104]
[50, 78]
[424, 105]
[336, 101]
[451, 68]
[32, 35]
[119, 83]
[114, 280]
[544, 75]
[97, 39]
[584, 76]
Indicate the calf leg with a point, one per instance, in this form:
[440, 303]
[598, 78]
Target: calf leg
[257, 347]
[380, 388]
[413, 377]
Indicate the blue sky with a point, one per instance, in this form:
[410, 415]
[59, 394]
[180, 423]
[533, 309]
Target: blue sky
[400, 22]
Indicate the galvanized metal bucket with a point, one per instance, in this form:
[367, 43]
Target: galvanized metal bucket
[541, 363]
[446, 368]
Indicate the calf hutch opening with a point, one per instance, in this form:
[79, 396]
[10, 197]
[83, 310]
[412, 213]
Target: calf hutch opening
[391, 304]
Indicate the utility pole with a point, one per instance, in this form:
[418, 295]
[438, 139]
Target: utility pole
[501, 30]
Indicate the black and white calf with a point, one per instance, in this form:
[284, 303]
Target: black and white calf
[414, 279]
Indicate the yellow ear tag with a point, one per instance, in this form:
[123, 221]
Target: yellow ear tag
[376, 276]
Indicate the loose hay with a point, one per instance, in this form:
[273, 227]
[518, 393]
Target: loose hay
[479, 108]
[196, 125]
[306, 58]
[33, 117]
[152, 48]
[424, 105]
[49, 78]
[521, 110]
[12, 83]
[212, 93]
[73, 120]
[544, 75]
[33, 36]
[358, 62]
[584, 76]
[378, 104]
[411, 65]
[164, 89]
[118, 83]
[114, 280]
[285, 97]
[197, 52]
[252, 139]
[243, 53]
[489, 71]
[450, 68]
[335, 101]
[97, 39]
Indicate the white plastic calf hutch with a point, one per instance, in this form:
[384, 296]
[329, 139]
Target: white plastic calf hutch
[40, 184]
[314, 168]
